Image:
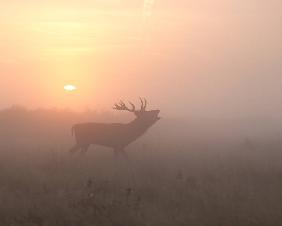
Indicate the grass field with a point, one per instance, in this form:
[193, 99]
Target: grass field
[213, 173]
[160, 186]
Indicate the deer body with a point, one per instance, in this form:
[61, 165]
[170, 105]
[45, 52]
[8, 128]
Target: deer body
[114, 135]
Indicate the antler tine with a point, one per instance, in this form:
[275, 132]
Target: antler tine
[116, 107]
[145, 104]
[121, 106]
[142, 104]
[133, 106]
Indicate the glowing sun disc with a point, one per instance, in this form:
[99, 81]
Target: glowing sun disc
[70, 87]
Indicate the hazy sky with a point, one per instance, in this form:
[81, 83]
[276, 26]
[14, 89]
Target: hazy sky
[198, 57]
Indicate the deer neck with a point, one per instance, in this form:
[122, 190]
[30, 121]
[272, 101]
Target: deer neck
[138, 127]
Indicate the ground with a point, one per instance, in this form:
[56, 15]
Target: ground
[162, 185]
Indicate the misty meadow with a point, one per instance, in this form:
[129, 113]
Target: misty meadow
[180, 173]
[140, 113]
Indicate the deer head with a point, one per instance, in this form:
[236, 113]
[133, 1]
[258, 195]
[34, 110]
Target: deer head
[142, 115]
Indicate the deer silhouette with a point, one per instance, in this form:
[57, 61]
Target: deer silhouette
[115, 135]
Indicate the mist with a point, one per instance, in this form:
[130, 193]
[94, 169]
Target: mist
[186, 58]
[173, 116]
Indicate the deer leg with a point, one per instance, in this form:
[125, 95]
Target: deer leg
[84, 149]
[124, 155]
[116, 154]
[121, 156]
[128, 164]
[119, 152]
[75, 148]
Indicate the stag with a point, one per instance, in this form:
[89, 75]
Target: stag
[115, 135]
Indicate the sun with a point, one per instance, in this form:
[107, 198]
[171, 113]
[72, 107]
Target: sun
[70, 88]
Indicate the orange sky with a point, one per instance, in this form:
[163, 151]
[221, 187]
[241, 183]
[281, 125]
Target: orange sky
[184, 56]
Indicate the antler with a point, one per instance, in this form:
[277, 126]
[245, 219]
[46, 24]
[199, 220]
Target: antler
[143, 104]
[122, 107]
